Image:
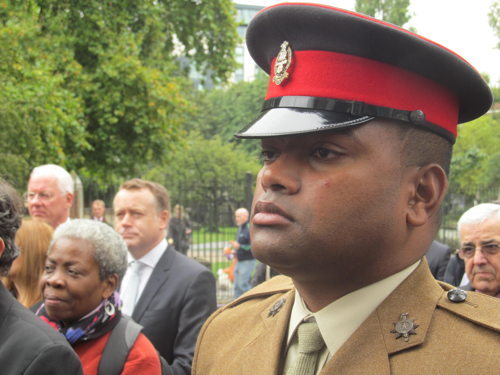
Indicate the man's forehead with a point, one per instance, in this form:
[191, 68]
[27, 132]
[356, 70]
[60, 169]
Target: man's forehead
[134, 197]
[488, 228]
[43, 183]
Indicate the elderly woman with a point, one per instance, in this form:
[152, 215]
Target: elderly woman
[85, 263]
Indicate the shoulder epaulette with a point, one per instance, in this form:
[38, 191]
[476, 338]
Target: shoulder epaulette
[476, 307]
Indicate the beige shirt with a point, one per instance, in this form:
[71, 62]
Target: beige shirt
[338, 321]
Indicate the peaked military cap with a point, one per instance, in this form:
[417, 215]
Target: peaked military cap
[331, 68]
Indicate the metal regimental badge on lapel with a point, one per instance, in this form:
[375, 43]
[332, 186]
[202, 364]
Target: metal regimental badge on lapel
[405, 327]
[282, 63]
[276, 307]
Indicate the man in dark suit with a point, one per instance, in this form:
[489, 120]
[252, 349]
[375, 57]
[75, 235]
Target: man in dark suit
[27, 345]
[438, 256]
[169, 294]
[98, 211]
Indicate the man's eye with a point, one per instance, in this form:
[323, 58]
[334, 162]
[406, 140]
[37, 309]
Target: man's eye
[267, 156]
[322, 153]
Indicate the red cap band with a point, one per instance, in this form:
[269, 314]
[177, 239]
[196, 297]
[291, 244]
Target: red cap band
[335, 75]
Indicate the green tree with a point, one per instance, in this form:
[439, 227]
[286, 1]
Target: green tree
[207, 174]
[476, 156]
[393, 11]
[114, 70]
[40, 118]
[494, 19]
[225, 111]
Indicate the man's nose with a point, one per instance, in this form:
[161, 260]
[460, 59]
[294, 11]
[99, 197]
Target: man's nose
[479, 257]
[282, 175]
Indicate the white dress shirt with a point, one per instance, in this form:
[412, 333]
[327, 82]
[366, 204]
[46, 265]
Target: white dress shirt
[148, 261]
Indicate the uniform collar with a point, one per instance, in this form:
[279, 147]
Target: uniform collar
[341, 318]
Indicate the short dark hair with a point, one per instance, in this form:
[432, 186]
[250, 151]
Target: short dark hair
[11, 209]
[158, 191]
[421, 147]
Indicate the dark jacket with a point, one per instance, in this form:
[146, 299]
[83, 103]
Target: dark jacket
[243, 238]
[178, 298]
[29, 346]
[438, 256]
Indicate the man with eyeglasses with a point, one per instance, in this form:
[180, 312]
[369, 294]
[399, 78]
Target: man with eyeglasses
[50, 194]
[479, 233]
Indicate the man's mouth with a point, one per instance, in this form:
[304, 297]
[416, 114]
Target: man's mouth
[268, 213]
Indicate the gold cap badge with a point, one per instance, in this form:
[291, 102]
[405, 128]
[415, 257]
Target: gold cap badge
[282, 63]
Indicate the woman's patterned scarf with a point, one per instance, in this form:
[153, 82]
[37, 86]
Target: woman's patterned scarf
[95, 324]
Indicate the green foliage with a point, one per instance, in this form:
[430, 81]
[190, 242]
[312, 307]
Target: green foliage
[494, 19]
[476, 156]
[393, 11]
[225, 111]
[208, 174]
[97, 86]
[40, 118]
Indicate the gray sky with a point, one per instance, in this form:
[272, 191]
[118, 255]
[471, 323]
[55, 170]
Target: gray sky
[460, 25]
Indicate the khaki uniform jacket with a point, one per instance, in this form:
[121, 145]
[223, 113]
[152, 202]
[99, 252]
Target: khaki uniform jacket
[248, 336]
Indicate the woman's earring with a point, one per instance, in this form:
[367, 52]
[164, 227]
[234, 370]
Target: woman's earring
[109, 308]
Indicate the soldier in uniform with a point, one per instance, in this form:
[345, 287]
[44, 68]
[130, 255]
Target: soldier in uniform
[357, 129]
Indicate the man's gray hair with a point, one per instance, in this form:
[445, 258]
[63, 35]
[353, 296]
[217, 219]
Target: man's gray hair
[478, 214]
[64, 179]
[110, 251]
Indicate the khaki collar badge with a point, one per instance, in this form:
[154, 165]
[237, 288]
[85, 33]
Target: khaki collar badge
[282, 63]
[405, 327]
[276, 307]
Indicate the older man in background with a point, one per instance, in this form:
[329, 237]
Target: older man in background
[50, 194]
[27, 345]
[479, 232]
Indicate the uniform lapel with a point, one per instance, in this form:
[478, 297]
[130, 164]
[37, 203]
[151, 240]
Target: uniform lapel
[367, 351]
[266, 342]
[158, 278]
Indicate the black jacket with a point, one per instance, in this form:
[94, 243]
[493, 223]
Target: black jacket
[29, 346]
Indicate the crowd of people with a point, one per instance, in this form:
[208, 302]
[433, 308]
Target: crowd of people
[344, 216]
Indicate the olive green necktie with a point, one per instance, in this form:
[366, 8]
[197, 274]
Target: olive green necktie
[310, 345]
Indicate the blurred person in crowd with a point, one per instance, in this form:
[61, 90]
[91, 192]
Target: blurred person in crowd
[438, 257]
[27, 345]
[242, 248]
[98, 211]
[262, 273]
[479, 234]
[169, 294]
[356, 137]
[179, 230]
[32, 239]
[50, 194]
[455, 271]
[85, 263]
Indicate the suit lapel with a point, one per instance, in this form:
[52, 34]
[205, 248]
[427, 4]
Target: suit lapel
[158, 277]
[367, 351]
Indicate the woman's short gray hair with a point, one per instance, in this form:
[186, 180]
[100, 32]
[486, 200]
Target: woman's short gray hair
[110, 249]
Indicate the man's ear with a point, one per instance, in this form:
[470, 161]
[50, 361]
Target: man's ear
[2, 246]
[69, 199]
[429, 188]
[165, 217]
